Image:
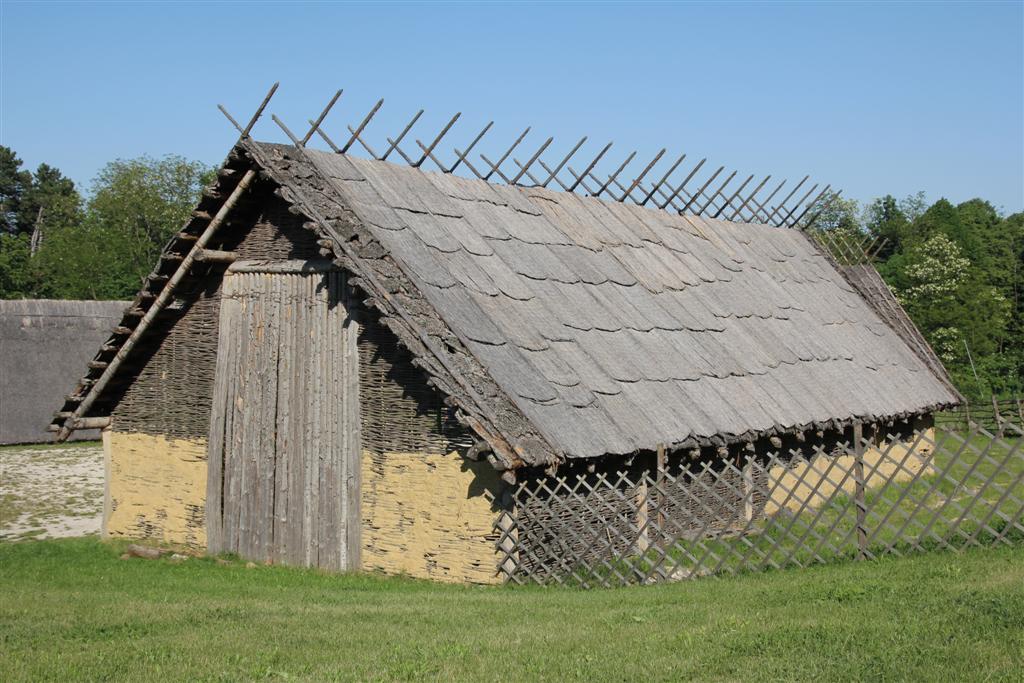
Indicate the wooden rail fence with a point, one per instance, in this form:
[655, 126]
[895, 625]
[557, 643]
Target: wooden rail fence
[994, 414]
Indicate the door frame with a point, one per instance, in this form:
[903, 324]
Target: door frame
[350, 487]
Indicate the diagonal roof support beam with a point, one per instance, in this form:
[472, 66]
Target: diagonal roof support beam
[532, 159]
[590, 167]
[615, 175]
[495, 167]
[433, 144]
[682, 185]
[781, 205]
[323, 136]
[553, 174]
[738, 212]
[461, 156]
[661, 182]
[639, 179]
[361, 126]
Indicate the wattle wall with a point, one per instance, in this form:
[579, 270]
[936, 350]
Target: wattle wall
[156, 488]
[430, 516]
[156, 445]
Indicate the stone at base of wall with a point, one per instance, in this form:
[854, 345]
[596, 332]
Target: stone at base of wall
[156, 488]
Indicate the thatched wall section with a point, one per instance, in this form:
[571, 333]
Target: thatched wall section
[44, 344]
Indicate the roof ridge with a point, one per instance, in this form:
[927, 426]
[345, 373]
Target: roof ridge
[680, 187]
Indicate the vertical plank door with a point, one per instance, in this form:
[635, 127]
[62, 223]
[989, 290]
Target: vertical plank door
[283, 483]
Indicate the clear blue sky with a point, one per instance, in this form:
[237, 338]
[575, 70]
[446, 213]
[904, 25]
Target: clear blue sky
[875, 98]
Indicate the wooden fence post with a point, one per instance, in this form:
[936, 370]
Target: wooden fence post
[643, 542]
[997, 416]
[748, 489]
[859, 489]
[660, 487]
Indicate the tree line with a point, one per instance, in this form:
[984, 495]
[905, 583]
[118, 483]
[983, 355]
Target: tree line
[57, 243]
[958, 270]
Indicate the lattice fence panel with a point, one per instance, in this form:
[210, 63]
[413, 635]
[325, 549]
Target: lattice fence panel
[936, 489]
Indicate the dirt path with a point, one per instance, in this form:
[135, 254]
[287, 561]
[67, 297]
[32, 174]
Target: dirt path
[50, 492]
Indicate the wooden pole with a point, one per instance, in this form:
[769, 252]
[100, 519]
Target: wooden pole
[748, 488]
[215, 256]
[859, 490]
[997, 416]
[643, 542]
[660, 489]
[158, 304]
[92, 423]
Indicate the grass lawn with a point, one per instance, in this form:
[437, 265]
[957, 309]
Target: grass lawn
[71, 610]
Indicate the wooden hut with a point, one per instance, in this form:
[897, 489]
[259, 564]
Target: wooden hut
[347, 362]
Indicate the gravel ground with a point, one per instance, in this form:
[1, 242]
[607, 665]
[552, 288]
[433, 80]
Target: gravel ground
[50, 492]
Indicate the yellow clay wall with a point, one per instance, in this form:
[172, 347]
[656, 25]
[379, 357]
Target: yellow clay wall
[880, 466]
[156, 488]
[429, 516]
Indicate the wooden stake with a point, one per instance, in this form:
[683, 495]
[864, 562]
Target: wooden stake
[215, 256]
[999, 418]
[660, 488]
[859, 489]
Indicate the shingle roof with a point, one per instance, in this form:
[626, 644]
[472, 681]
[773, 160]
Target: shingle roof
[614, 328]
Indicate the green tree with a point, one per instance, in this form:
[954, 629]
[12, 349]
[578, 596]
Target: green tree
[88, 261]
[16, 276]
[913, 206]
[31, 201]
[146, 201]
[13, 182]
[834, 213]
[885, 220]
[54, 247]
[134, 208]
[963, 317]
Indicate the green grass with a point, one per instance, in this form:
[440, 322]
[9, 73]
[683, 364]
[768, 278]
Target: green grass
[51, 446]
[71, 610]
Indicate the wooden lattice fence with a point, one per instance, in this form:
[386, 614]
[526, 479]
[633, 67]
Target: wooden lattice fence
[863, 498]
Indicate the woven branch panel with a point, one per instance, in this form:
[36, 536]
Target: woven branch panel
[887, 494]
[399, 411]
[173, 387]
[171, 381]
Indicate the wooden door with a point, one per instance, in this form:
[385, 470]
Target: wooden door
[283, 481]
